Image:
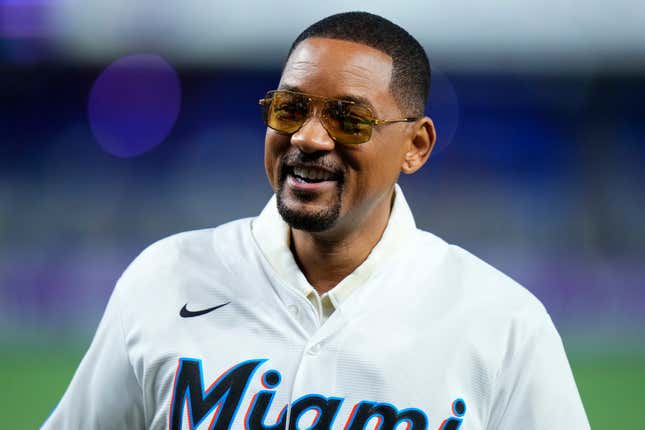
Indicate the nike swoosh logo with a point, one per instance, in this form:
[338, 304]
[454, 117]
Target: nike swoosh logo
[185, 313]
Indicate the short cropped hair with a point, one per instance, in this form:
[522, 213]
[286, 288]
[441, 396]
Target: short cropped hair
[410, 82]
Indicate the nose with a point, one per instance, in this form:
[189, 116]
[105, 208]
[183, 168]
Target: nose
[312, 137]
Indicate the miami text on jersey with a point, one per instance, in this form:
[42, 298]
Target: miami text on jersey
[226, 393]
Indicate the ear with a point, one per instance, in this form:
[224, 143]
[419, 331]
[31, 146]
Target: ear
[420, 145]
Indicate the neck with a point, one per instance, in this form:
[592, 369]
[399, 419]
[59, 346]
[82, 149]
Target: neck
[326, 258]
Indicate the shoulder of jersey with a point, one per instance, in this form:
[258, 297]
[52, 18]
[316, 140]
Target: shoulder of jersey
[212, 248]
[472, 281]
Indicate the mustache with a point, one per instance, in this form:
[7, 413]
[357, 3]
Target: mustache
[315, 160]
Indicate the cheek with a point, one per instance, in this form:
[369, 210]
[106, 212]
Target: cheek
[374, 168]
[274, 148]
[389, 157]
[269, 164]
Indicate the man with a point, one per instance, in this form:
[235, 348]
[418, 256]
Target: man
[330, 309]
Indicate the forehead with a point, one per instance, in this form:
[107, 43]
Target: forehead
[337, 68]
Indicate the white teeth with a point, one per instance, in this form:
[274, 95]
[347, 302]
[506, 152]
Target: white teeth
[313, 174]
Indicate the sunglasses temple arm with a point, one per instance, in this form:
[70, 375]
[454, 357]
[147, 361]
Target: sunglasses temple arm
[389, 121]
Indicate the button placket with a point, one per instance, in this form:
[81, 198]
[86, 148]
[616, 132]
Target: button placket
[293, 310]
[304, 312]
[314, 349]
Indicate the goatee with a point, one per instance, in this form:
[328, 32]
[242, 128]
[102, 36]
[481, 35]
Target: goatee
[312, 221]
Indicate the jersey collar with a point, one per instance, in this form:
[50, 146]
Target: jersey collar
[272, 235]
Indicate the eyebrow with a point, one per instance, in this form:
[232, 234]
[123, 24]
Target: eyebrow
[348, 97]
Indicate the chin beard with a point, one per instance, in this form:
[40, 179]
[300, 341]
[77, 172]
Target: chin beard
[307, 220]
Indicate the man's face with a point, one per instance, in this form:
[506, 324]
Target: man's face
[362, 176]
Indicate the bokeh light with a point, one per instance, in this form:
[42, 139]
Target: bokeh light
[134, 104]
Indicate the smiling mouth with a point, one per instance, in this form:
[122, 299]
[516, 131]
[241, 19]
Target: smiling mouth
[310, 174]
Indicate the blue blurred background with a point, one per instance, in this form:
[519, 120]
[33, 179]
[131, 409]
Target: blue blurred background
[123, 123]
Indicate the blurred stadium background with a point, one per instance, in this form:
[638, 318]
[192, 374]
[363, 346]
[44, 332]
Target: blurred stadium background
[123, 122]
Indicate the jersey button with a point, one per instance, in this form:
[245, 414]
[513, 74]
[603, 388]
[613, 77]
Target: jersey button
[314, 349]
[293, 309]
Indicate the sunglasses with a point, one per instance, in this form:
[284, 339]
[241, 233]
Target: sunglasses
[347, 122]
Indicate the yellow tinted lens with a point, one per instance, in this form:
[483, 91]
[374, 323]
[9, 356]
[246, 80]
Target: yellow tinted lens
[348, 123]
[287, 112]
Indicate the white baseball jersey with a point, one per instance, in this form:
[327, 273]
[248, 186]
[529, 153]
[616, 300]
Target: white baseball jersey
[217, 329]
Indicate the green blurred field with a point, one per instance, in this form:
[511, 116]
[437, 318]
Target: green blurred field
[611, 388]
